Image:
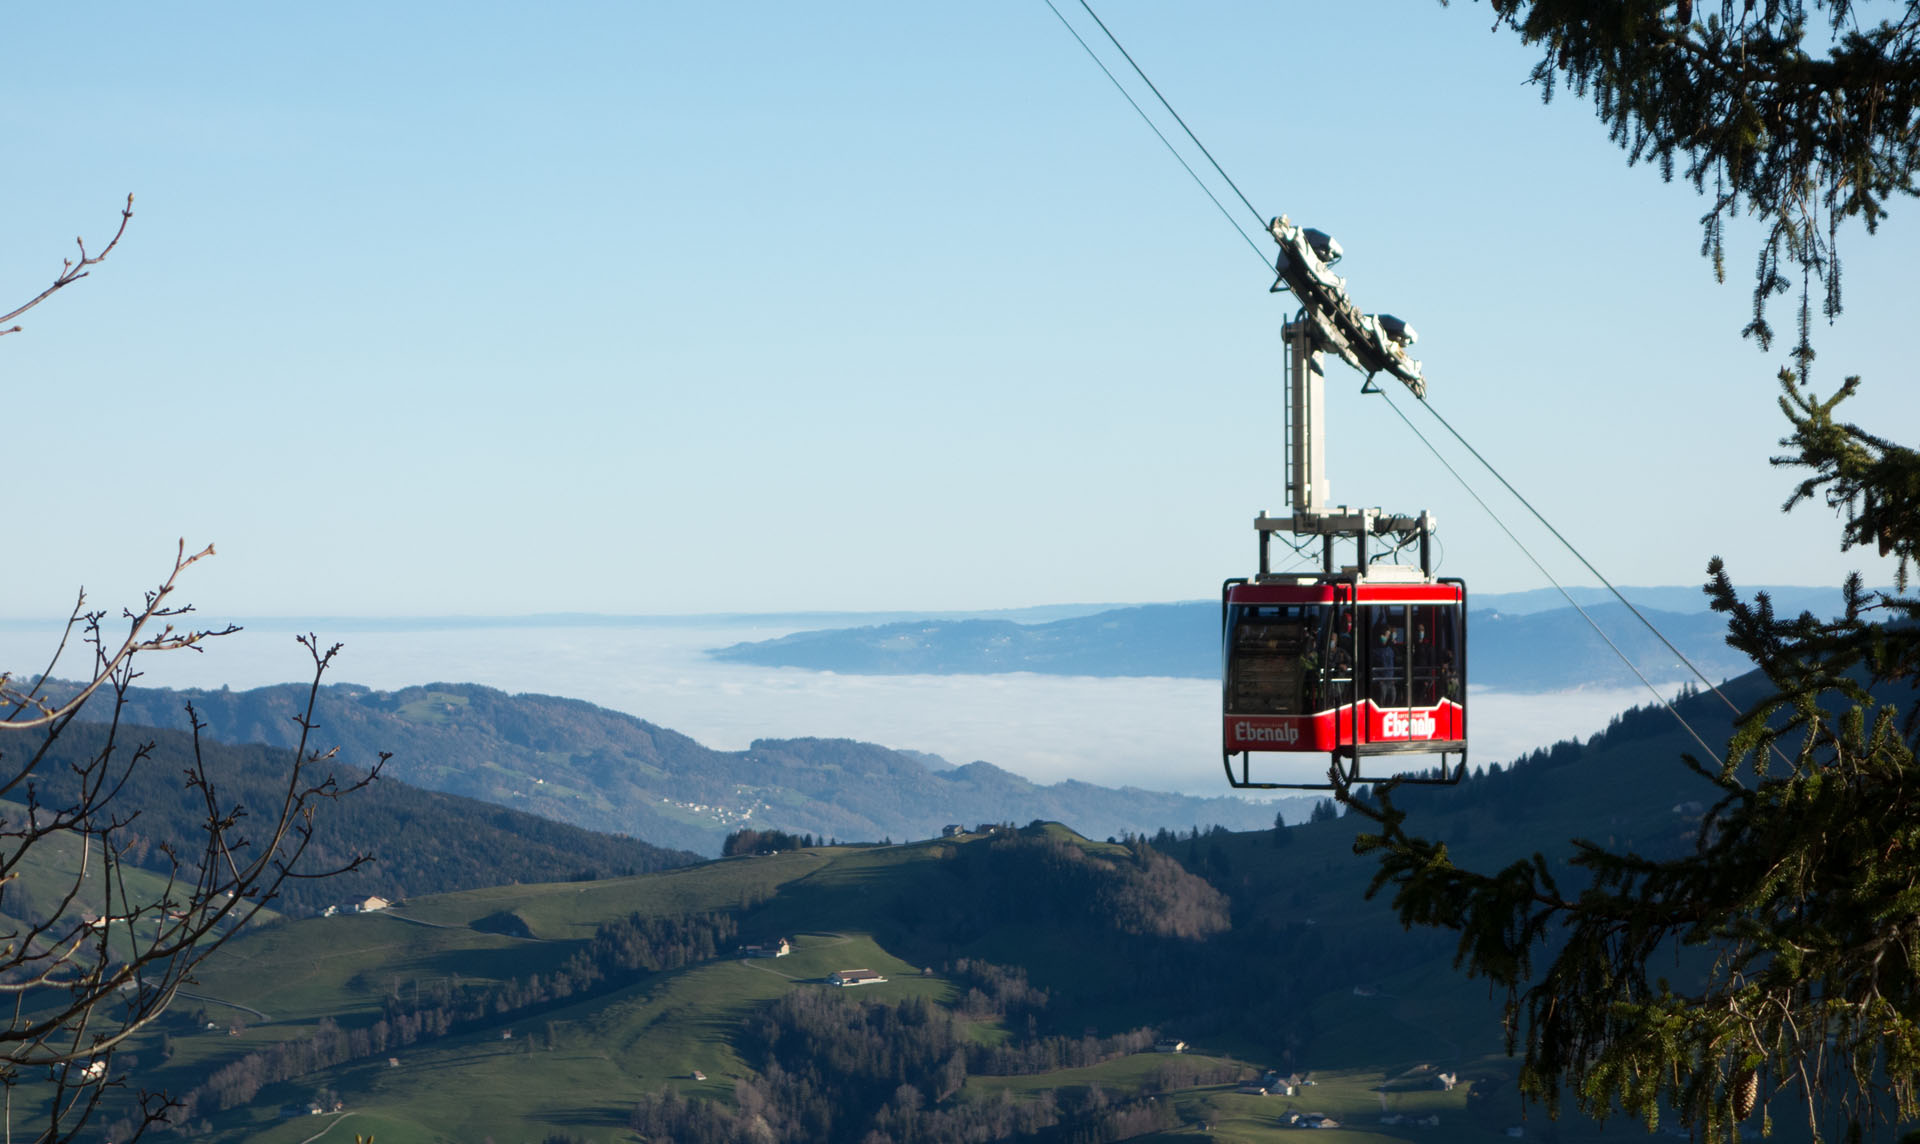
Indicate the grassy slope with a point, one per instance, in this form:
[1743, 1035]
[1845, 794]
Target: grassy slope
[577, 1068]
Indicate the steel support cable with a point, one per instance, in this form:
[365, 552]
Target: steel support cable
[1260, 253]
[1528, 553]
[1139, 71]
[1258, 250]
[1568, 544]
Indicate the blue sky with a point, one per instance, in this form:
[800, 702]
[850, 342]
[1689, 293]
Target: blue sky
[646, 308]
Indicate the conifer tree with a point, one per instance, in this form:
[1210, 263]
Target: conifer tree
[1803, 885]
[1731, 97]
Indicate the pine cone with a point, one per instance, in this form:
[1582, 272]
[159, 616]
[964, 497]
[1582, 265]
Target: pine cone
[1745, 1091]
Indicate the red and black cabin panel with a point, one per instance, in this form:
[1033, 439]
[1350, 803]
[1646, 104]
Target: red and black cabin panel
[1346, 668]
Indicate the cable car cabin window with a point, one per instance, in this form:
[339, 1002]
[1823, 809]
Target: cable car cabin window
[1412, 654]
[1273, 658]
[1388, 660]
[1435, 655]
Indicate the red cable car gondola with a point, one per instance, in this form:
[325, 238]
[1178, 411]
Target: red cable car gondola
[1352, 663]
[1349, 667]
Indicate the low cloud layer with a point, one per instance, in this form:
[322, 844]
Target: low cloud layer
[1157, 733]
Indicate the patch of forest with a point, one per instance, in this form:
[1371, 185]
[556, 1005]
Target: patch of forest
[830, 1068]
[620, 953]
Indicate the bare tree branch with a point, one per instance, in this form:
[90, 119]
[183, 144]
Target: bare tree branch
[92, 969]
[71, 271]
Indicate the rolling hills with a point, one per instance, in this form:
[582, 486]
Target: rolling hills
[574, 762]
[1026, 971]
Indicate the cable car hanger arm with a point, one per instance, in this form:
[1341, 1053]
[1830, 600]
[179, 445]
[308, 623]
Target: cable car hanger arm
[1369, 343]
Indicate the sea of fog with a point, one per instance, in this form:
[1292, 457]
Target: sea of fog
[1157, 733]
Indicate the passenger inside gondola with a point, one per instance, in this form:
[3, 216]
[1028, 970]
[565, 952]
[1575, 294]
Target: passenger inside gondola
[1339, 662]
[1383, 675]
[1449, 678]
[1425, 655]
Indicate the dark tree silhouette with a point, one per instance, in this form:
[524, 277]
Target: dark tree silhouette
[1803, 888]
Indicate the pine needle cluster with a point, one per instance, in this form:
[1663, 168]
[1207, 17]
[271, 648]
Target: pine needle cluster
[1803, 115]
[1790, 931]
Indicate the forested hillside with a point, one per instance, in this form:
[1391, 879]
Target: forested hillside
[574, 762]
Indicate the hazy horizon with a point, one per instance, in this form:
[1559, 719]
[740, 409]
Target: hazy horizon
[1157, 733]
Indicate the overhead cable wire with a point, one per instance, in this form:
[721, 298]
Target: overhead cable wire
[1141, 72]
[1568, 544]
[1628, 604]
[1528, 553]
[1259, 251]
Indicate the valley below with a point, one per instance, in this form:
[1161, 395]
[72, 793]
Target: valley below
[1050, 960]
[1012, 982]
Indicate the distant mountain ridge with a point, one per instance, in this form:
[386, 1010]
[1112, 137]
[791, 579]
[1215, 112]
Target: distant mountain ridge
[574, 762]
[422, 841]
[1153, 639]
[1531, 651]
[1790, 599]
